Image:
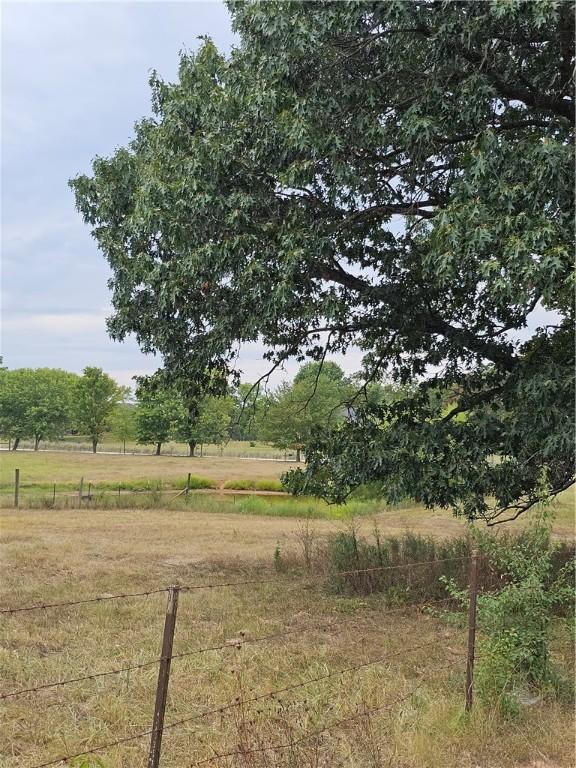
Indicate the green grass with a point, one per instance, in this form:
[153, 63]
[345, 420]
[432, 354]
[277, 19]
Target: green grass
[248, 484]
[313, 509]
[154, 498]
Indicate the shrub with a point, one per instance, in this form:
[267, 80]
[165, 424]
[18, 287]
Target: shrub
[515, 621]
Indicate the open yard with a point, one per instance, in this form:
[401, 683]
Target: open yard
[417, 689]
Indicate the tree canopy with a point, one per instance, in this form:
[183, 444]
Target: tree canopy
[36, 403]
[396, 176]
[207, 422]
[97, 396]
[155, 415]
[314, 401]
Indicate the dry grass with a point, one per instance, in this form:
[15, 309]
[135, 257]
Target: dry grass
[46, 467]
[57, 555]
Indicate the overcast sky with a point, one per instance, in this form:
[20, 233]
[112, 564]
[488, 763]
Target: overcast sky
[74, 81]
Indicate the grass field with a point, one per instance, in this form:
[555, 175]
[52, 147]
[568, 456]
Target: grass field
[59, 555]
[47, 467]
[39, 471]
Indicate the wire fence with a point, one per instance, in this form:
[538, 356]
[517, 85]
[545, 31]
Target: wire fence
[163, 662]
[146, 492]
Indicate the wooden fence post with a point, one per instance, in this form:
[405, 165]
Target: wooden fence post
[54, 496]
[163, 677]
[188, 483]
[80, 487]
[473, 588]
[16, 488]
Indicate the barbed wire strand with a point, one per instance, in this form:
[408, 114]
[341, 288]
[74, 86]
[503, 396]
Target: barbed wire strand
[230, 644]
[318, 732]
[235, 643]
[101, 599]
[235, 704]
[399, 566]
[194, 587]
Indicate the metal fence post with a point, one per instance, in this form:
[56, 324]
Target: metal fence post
[16, 488]
[473, 587]
[163, 677]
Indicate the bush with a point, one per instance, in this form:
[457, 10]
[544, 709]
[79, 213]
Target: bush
[515, 621]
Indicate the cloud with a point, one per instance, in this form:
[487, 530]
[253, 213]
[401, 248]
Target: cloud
[68, 323]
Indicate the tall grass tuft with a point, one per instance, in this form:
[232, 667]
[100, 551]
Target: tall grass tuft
[350, 558]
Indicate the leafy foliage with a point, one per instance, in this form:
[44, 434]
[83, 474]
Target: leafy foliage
[36, 403]
[208, 422]
[515, 620]
[155, 416]
[315, 400]
[396, 176]
[97, 396]
[123, 423]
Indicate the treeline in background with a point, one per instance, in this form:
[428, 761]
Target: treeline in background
[43, 406]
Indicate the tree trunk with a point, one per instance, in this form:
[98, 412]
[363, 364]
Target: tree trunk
[158, 448]
[191, 447]
[94, 444]
[16, 441]
[36, 443]
[298, 455]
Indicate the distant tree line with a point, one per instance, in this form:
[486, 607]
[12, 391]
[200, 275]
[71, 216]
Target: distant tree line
[43, 404]
[46, 403]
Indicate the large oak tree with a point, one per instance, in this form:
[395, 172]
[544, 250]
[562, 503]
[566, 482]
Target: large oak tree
[392, 175]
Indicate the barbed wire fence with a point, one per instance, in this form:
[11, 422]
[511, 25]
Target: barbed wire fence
[159, 726]
[86, 494]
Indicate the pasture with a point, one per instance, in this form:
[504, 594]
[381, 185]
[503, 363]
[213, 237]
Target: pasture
[40, 470]
[58, 555]
[210, 538]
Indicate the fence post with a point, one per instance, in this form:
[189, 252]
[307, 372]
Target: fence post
[16, 488]
[473, 588]
[163, 677]
[188, 483]
[80, 487]
[54, 496]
